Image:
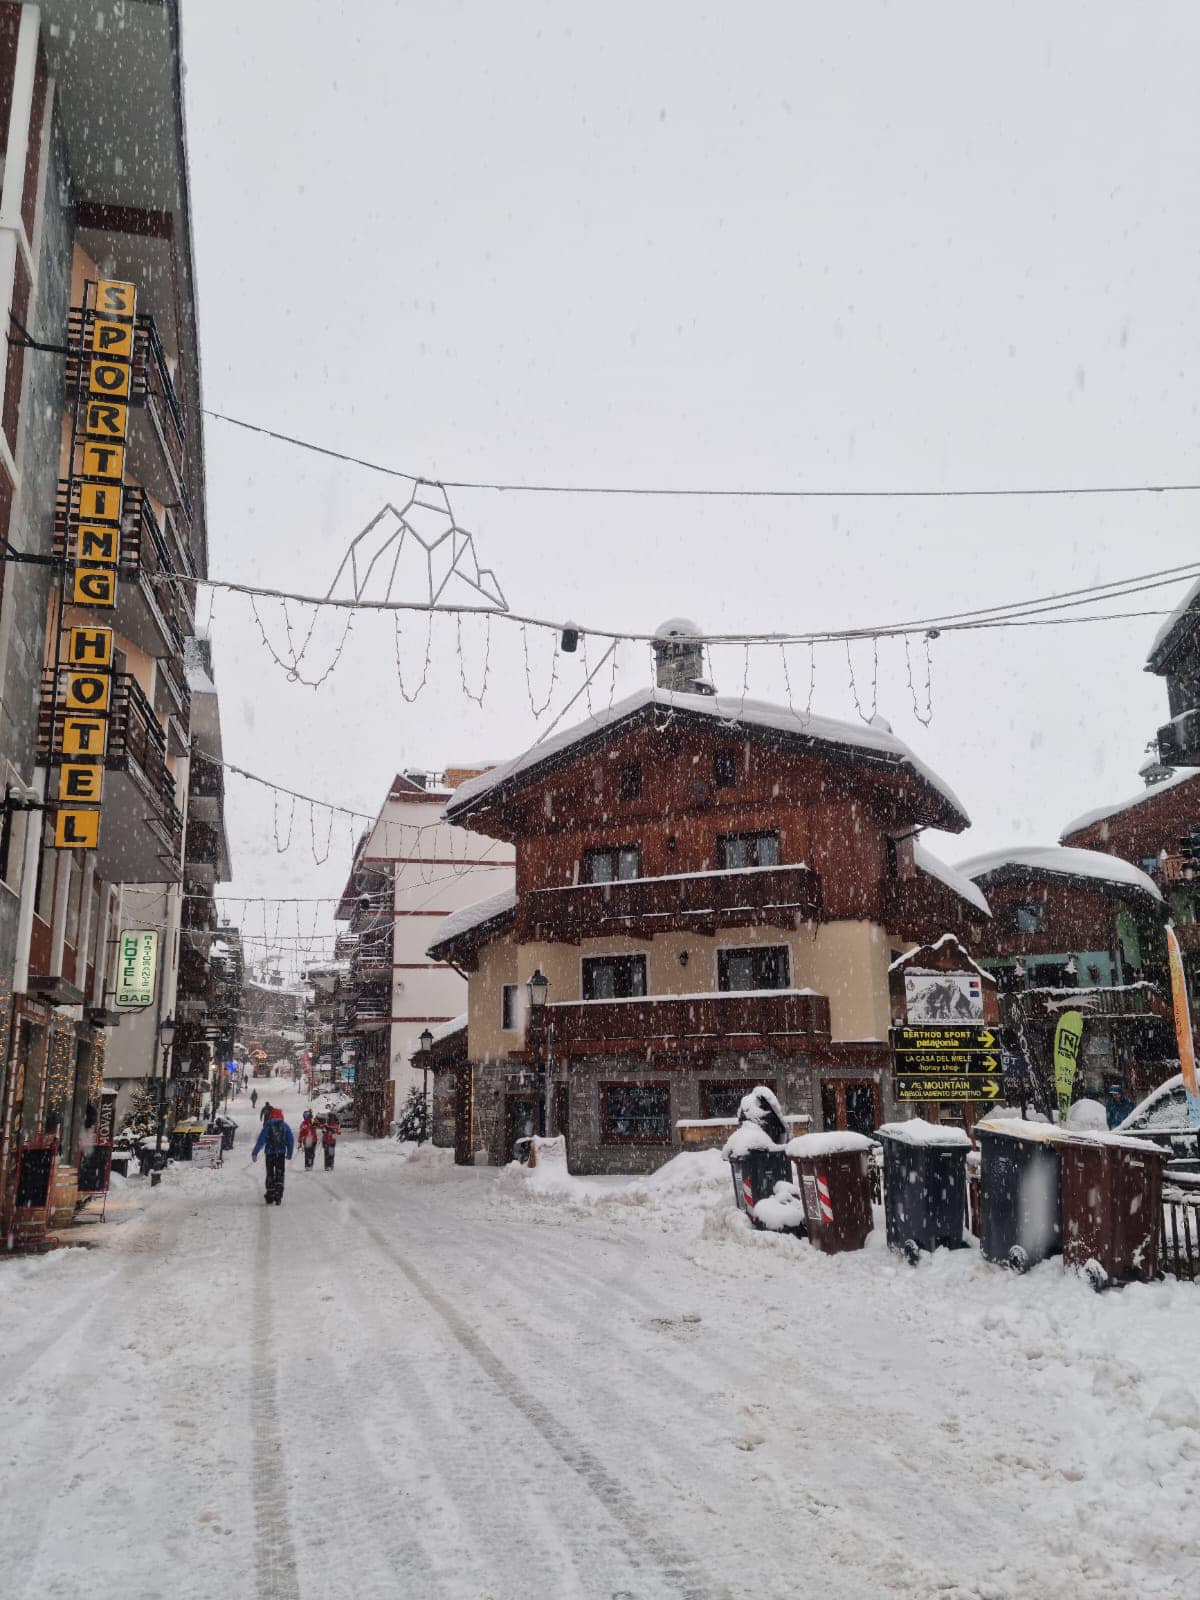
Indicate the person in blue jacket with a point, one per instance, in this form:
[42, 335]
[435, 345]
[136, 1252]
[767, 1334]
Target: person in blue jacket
[276, 1139]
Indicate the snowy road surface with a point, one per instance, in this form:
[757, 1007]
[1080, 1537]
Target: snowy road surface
[412, 1380]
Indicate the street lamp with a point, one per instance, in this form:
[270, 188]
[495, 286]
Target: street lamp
[538, 988]
[166, 1036]
[426, 1043]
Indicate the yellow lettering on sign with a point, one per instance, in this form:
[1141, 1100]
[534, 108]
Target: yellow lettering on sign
[103, 460]
[95, 542]
[94, 586]
[115, 299]
[110, 378]
[99, 503]
[76, 830]
[82, 784]
[113, 340]
[106, 419]
[90, 647]
[86, 691]
[84, 736]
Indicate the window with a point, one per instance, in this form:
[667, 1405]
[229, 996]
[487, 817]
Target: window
[891, 857]
[614, 977]
[747, 850]
[611, 862]
[1026, 916]
[631, 780]
[724, 769]
[723, 1099]
[635, 1113]
[760, 967]
[508, 1007]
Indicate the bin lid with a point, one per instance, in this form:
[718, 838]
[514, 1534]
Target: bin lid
[1036, 1132]
[748, 1137]
[917, 1131]
[828, 1144]
[1119, 1141]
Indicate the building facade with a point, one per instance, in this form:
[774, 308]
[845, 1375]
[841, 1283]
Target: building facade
[412, 869]
[714, 890]
[102, 514]
[1175, 656]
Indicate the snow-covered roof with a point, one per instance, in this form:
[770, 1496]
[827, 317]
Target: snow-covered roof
[1143, 797]
[1190, 602]
[678, 628]
[474, 916]
[928, 863]
[1064, 862]
[733, 712]
[445, 1029]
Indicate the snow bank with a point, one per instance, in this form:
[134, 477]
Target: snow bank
[1088, 1114]
[783, 1211]
[917, 1131]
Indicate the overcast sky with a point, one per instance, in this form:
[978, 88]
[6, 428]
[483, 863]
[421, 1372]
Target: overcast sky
[825, 245]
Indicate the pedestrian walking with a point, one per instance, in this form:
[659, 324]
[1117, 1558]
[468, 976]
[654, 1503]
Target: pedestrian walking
[329, 1138]
[253, 1098]
[308, 1136]
[265, 1113]
[276, 1139]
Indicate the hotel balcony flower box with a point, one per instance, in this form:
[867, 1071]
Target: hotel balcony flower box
[157, 434]
[775, 1019]
[780, 897]
[141, 828]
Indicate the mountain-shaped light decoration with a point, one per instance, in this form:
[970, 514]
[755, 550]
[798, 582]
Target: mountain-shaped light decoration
[376, 563]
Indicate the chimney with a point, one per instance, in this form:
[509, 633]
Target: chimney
[679, 657]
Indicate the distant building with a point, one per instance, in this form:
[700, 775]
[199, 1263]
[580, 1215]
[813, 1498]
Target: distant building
[411, 871]
[1175, 656]
[273, 1018]
[1078, 930]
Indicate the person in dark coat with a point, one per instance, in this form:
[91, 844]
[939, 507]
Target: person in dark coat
[1118, 1105]
[253, 1098]
[265, 1113]
[276, 1139]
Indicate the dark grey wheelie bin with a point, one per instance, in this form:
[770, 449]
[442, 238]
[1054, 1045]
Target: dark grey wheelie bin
[757, 1165]
[1020, 1192]
[924, 1185]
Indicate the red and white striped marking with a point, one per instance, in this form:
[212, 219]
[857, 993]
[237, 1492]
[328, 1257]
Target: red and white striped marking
[824, 1201]
[748, 1193]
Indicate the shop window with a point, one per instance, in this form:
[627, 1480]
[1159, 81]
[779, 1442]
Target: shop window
[631, 780]
[850, 1106]
[748, 850]
[724, 769]
[610, 863]
[508, 1007]
[759, 967]
[723, 1099]
[614, 977]
[635, 1113]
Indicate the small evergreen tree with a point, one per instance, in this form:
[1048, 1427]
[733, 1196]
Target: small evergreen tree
[142, 1116]
[413, 1126]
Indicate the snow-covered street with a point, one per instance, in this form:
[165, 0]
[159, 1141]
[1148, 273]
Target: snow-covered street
[419, 1380]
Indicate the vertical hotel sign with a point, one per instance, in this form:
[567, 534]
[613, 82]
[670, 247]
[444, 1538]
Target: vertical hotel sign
[95, 495]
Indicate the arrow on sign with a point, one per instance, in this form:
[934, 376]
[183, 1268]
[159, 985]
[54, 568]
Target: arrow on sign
[990, 1089]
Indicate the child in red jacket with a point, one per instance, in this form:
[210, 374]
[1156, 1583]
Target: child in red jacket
[329, 1138]
[307, 1135]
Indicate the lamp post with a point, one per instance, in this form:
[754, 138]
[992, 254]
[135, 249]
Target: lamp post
[426, 1063]
[166, 1037]
[538, 988]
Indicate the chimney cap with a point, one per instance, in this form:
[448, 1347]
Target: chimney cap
[678, 628]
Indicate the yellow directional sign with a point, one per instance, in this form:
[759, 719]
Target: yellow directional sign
[941, 1086]
[976, 1037]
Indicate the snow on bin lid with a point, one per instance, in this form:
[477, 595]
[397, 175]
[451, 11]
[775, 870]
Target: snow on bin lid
[1040, 1132]
[828, 1144]
[747, 1138]
[1121, 1141]
[918, 1131]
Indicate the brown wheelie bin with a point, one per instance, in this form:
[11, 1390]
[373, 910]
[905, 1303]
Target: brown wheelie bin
[833, 1173]
[1112, 1206]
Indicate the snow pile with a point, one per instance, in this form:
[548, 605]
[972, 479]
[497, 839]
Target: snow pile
[748, 1137]
[1088, 1114]
[689, 1184]
[932, 1134]
[783, 1211]
[812, 1145]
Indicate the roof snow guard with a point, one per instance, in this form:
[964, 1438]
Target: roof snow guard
[754, 719]
[1089, 867]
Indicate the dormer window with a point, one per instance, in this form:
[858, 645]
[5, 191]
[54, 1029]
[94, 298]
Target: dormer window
[611, 863]
[736, 850]
[724, 769]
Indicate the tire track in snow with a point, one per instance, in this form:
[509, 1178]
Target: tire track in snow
[274, 1550]
[641, 1538]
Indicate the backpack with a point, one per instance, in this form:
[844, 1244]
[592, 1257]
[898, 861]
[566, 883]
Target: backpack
[276, 1136]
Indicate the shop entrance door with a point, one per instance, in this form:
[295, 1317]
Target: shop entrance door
[850, 1105]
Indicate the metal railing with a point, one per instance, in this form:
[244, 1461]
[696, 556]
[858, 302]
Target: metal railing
[1180, 1239]
[152, 384]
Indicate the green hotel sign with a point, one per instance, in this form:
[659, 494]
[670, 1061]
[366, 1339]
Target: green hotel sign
[137, 968]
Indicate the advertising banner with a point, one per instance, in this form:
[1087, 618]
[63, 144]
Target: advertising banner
[944, 996]
[1068, 1036]
[1183, 1030]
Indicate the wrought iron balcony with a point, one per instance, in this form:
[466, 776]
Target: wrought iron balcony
[701, 902]
[779, 1019]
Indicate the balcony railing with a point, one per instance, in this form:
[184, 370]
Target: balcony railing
[372, 958]
[779, 1019]
[206, 781]
[136, 742]
[1116, 1000]
[779, 897]
[151, 386]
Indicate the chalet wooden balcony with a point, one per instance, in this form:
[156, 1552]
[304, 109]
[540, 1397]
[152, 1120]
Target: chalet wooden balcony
[923, 908]
[1137, 1000]
[157, 433]
[700, 902]
[775, 1019]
